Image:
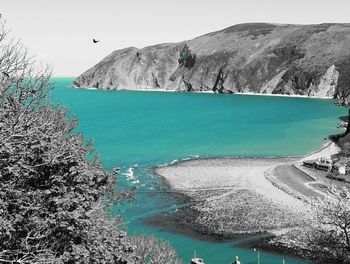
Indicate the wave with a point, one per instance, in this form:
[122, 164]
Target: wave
[174, 161]
[130, 174]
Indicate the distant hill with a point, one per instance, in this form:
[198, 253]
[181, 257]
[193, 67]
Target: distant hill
[311, 60]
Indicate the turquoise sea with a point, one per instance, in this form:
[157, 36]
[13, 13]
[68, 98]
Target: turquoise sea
[138, 130]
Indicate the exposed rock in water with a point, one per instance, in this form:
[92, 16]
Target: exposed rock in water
[311, 60]
[348, 126]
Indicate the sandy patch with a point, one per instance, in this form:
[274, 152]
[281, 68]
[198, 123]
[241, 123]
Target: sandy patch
[326, 151]
[229, 174]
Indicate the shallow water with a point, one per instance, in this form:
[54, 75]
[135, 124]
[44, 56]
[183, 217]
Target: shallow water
[139, 130]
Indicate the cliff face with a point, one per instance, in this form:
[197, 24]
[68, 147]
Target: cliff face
[309, 60]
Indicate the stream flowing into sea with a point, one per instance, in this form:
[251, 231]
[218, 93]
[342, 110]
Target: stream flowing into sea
[138, 130]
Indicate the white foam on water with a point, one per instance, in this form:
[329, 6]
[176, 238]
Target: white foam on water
[130, 174]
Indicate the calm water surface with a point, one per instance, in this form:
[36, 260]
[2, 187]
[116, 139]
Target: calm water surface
[139, 130]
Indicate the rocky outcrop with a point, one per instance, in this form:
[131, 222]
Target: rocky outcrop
[327, 85]
[266, 58]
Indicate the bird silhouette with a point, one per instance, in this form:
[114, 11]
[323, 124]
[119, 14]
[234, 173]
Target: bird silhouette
[6, 74]
[95, 41]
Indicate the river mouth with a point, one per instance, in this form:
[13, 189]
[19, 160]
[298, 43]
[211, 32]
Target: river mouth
[181, 222]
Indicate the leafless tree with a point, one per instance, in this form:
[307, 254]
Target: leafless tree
[152, 250]
[326, 238]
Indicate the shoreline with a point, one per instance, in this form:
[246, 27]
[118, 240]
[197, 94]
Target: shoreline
[209, 201]
[208, 92]
[285, 95]
[327, 149]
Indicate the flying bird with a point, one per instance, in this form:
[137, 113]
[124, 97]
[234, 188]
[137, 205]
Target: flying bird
[95, 41]
[6, 74]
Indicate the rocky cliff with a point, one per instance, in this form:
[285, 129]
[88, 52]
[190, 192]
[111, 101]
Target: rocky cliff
[266, 58]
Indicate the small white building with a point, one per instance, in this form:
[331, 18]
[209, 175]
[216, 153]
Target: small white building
[340, 168]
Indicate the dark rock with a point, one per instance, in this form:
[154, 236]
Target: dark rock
[348, 125]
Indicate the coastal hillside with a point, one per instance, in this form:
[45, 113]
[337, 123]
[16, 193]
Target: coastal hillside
[312, 60]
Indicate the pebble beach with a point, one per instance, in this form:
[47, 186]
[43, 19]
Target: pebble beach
[244, 195]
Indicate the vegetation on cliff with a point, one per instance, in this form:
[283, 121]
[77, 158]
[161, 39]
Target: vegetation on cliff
[187, 59]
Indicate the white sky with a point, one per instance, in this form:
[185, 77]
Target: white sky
[60, 32]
